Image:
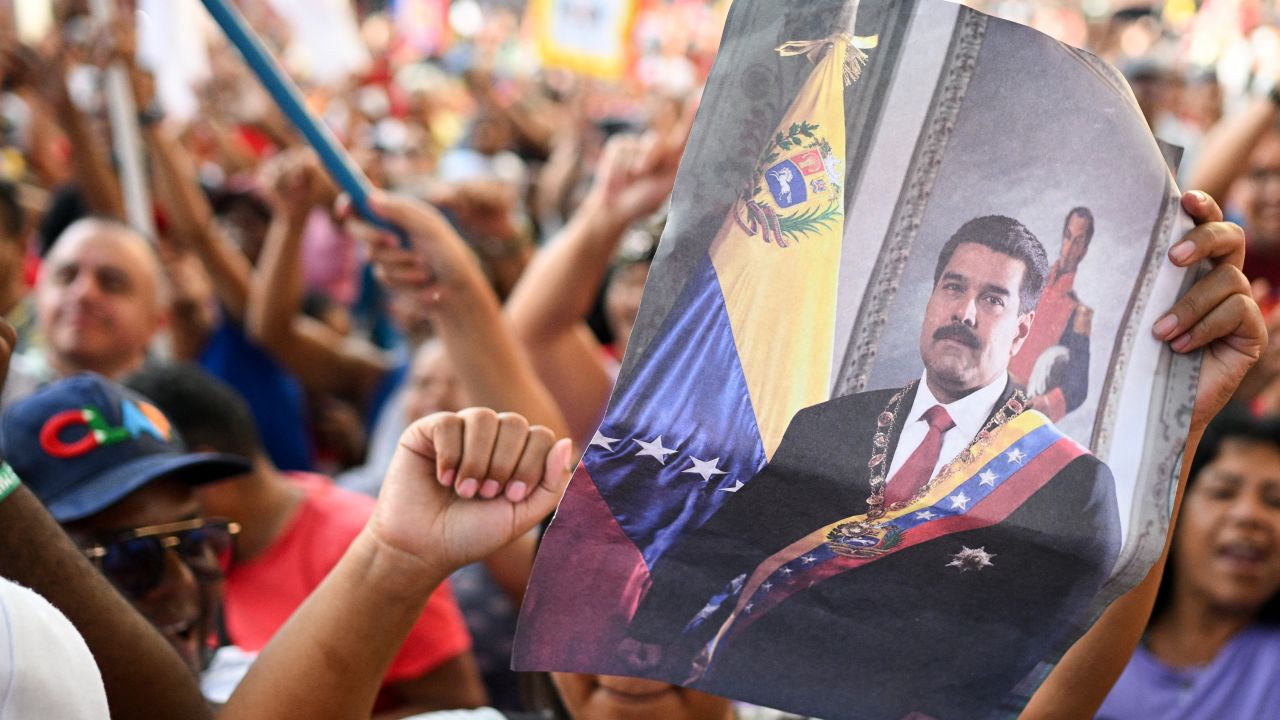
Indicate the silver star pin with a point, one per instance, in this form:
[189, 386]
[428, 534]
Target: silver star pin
[705, 468]
[654, 450]
[971, 559]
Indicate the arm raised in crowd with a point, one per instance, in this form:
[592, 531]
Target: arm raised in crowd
[1224, 157]
[95, 177]
[329, 658]
[1217, 315]
[443, 277]
[549, 306]
[142, 673]
[323, 359]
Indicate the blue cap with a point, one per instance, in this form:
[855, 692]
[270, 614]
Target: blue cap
[84, 443]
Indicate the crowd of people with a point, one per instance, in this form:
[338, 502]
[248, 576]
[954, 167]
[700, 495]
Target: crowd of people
[196, 423]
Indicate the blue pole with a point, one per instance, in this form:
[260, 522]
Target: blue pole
[286, 95]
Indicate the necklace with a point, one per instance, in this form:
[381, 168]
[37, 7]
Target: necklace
[878, 464]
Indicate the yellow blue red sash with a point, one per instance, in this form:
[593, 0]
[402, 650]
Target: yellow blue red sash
[1017, 460]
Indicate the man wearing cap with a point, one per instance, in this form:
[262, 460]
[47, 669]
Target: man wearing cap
[112, 472]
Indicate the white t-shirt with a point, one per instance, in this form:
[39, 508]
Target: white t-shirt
[46, 670]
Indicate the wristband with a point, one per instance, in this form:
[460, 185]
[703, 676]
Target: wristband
[8, 481]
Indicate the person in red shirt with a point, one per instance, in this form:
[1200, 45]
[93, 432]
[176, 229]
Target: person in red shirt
[294, 529]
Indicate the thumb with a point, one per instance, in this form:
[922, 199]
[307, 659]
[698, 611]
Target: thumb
[544, 498]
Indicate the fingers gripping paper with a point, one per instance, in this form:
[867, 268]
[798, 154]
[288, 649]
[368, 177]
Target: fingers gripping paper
[882, 214]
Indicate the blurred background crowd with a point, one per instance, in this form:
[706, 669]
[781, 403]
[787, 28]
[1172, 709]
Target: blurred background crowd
[268, 326]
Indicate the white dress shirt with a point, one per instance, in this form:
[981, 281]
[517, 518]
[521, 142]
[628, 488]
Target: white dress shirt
[969, 413]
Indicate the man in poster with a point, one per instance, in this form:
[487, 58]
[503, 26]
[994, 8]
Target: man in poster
[1053, 364]
[978, 532]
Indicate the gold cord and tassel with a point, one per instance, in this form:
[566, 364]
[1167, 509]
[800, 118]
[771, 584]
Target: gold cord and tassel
[854, 60]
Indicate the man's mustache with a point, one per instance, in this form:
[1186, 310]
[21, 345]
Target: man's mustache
[960, 333]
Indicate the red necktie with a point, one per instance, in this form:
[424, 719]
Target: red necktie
[919, 467]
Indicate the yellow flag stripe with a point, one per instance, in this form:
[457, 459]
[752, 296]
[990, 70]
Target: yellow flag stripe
[781, 300]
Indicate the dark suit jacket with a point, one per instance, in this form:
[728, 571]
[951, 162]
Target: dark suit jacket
[905, 633]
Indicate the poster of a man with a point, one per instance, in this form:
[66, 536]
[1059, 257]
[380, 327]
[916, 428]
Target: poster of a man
[862, 458]
[1054, 361]
[906, 529]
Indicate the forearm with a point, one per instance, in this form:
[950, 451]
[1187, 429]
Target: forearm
[1081, 680]
[329, 659]
[563, 279]
[191, 216]
[275, 294]
[96, 180]
[492, 366]
[144, 676]
[1225, 153]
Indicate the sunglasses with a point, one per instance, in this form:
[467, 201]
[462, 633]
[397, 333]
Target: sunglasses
[135, 560]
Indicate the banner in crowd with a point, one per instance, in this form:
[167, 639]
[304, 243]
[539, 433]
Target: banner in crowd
[892, 429]
[591, 37]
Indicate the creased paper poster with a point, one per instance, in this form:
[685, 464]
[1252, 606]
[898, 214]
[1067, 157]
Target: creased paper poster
[892, 429]
[591, 37]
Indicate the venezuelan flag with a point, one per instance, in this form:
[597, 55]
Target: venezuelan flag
[748, 343]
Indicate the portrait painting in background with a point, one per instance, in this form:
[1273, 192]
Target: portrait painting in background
[892, 429]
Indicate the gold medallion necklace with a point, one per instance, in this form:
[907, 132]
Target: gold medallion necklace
[878, 464]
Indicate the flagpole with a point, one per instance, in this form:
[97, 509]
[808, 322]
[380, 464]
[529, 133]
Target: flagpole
[123, 111]
[286, 95]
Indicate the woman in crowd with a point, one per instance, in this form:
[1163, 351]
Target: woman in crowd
[1213, 644]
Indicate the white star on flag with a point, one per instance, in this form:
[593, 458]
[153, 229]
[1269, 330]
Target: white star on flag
[1016, 457]
[959, 501]
[970, 559]
[766, 586]
[736, 487]
[808, 560]
[602, 441]
[655, 450]
[785, 571]
[705, 468]
[926, 515]
[988, 478]
[706, 612]
[748, 608]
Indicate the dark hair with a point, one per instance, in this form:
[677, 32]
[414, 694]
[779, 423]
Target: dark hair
[206, 411]
[1007, 237]
[1233, 423]
[1085, 213]
[11, 216]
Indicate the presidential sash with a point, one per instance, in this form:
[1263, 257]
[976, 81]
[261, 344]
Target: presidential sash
[1018, 459]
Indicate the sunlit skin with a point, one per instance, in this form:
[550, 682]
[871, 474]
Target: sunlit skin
[1260, 195]
[181, 608]
[607, 697]
[978, 289]
[622, 301]
[1074, 243]
[98, 300]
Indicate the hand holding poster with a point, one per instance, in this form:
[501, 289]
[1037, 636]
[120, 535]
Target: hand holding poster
[893, 428]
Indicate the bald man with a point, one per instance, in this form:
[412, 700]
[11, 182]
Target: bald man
[100, 300]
